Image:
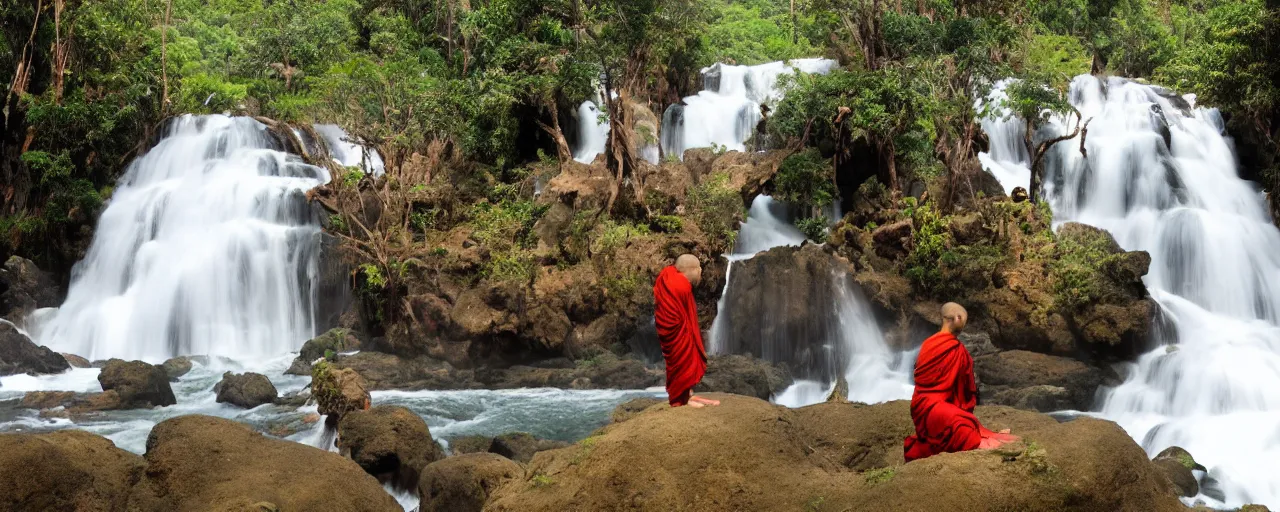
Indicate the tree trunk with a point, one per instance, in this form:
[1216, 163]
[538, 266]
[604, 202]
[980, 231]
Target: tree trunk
[164, 56]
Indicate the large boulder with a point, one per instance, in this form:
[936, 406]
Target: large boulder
[838, 457]
[1177, 464]
[325, 345]
[785, 305]
[389, 442]
[25, 288]
[204, 463]
[387, 371]
[1040, 382]
[18, 354]
[139, 385]
[744, 375]
[338, 391]
[70, 470]
[465, 482]
[247, 390]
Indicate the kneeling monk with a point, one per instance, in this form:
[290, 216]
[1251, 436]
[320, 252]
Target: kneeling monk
[676, 316]
[945, 395]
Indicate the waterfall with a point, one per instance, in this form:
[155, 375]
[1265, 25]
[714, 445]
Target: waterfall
[593, 132]
[349, 153]
[838, 337]
[207, 246]
[725, 113]
[1161, 177]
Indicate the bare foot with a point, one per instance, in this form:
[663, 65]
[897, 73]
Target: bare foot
[696, 405]
[705, 401]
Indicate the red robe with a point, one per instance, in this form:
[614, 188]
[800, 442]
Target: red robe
[676, 316]
[942, 404]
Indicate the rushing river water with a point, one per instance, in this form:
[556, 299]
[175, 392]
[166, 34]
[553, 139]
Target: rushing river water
[1161, 177]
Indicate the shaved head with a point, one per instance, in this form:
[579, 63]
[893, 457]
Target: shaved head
[689, 265]
[954, 317]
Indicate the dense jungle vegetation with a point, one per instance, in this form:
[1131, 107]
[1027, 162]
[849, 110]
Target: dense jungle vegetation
[481, 90]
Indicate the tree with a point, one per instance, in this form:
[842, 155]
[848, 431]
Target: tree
[1037, 103]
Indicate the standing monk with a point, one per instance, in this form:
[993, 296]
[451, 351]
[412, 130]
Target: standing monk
[676, 315]
[945, 395]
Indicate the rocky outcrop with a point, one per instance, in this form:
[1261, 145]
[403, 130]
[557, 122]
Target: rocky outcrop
[389, 442]
[206, 463]
[75, 404]
[1073, 293]
[138, 384]
[767, 457]
[325, 345]
[176, 367]
[785, 304]
[18, 354]
[247, 390]
[338, 391]
[1039, 382]
[25, 288]
[68, 470]
[465, 482]
[743, 375]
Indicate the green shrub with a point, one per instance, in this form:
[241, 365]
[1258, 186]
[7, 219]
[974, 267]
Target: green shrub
[668, 224]
[805, 179]
[814, 228]
[716, 209]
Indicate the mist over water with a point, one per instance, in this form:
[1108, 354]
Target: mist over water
[1161, 177]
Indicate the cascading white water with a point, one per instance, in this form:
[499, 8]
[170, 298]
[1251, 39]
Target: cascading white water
[851, 337]
[593, 133]
[349, 153]
[208, 246]
[1161, 177]
[726, 111]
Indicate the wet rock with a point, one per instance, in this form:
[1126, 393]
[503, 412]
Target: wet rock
[338, 391]
[139, 385]
[775, 461]
[328, 345]
[25, 288]
[75, 403]
[786, 302]
[68, 470]
[744, 375]
[386, 371]
[1180, 475]
[76, 361]
[204, 463]
[247, 390]
[464, 483]
[294, 398]
[1040, 382]
[1177, 464]
[18, 354]
[176, 367]
[604, 371]
[389, 442]
[521, 447]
